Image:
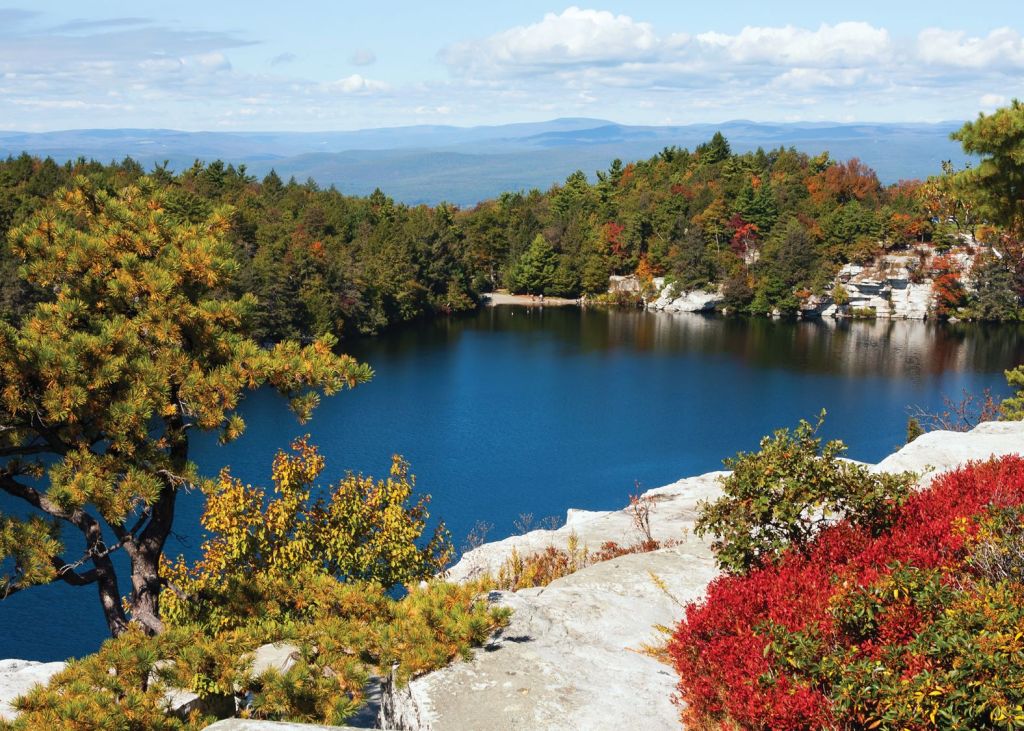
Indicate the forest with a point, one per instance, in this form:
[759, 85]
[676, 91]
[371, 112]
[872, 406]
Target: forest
[770, 227]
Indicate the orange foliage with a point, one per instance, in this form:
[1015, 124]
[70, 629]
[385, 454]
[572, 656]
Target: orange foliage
[843, 182]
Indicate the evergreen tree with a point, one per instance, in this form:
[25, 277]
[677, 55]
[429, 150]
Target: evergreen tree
[716, 150]
[535, 272]
[101, 388]
[999, 178]
[994, 296]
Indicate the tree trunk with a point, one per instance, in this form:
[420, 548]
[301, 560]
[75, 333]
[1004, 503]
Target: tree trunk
[146, 552]
[145, 557]
[110, 596]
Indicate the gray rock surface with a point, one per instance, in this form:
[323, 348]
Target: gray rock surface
[672, 512]
[938, 451]
[241, 724]
[569, 659]
[279, 656]
[697, 300]
[18, 676]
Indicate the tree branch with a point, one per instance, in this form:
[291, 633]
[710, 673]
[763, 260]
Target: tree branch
[68, 575]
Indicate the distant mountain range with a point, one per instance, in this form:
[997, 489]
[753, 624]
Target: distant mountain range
[463, 165]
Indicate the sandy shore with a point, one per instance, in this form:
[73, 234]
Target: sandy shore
[491, 299]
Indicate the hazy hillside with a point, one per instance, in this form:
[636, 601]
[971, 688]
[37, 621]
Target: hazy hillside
[427, 164]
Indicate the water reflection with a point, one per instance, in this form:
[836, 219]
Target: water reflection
[880, 347]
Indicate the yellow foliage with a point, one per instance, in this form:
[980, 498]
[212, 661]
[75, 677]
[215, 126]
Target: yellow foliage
[359, 529]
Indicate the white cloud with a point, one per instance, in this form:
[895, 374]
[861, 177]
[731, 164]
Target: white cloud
[215, 61]
[809, 78]
[579, 60]
[1002, 48]
[843, 44]
[283, 58]
[356, 83]
[988, 102]
[575, 37]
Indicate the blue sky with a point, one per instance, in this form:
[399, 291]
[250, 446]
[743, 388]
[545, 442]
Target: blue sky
[347, 65]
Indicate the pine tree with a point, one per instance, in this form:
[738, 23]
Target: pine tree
[101, 387]
[536, 270]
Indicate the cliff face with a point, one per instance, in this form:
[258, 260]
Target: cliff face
[892, 287]
[569, 658]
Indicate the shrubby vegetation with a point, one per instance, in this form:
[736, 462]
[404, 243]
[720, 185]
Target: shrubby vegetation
[918, 626]
[783, 496]
[311, 566]
[520, 571]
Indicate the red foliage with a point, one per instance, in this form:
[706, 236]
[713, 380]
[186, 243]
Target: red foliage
[729, 675]
[612, 234]
[947, 285]
[745, 235]
[684, 190]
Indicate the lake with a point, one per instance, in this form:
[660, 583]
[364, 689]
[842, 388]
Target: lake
[512, 411]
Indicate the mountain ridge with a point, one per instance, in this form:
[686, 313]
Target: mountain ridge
[464, 165]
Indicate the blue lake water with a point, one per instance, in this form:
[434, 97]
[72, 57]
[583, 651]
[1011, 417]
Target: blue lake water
[511, 411]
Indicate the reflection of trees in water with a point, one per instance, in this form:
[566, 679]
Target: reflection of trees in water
[880, 347]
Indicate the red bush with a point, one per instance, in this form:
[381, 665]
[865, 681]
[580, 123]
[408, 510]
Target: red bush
[731, 673]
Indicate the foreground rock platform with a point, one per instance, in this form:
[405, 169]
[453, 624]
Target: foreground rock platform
[17, 676]
[242, 724]
[569, 658]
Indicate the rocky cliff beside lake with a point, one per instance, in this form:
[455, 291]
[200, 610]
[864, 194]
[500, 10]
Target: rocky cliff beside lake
[893, 286]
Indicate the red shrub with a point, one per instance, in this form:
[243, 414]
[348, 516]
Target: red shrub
[731, 673]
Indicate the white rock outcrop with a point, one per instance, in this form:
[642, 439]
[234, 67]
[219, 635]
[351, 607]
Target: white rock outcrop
[18, 676]
[243, 724]
[888, 288]
[569, 658]
[697, 300]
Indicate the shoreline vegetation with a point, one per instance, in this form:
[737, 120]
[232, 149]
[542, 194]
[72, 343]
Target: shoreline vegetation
[769, 230]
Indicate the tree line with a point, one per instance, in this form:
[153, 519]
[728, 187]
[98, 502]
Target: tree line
[769, 227]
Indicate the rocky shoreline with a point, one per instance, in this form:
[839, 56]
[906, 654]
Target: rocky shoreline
[891, 288]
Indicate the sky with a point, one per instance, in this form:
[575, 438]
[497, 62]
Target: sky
[310, 65]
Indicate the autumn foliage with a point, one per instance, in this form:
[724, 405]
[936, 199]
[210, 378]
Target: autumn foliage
[919, 627]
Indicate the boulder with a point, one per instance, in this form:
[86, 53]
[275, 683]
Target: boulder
[698, 300]
[18, 676]
[182, 703]
[279, 656]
